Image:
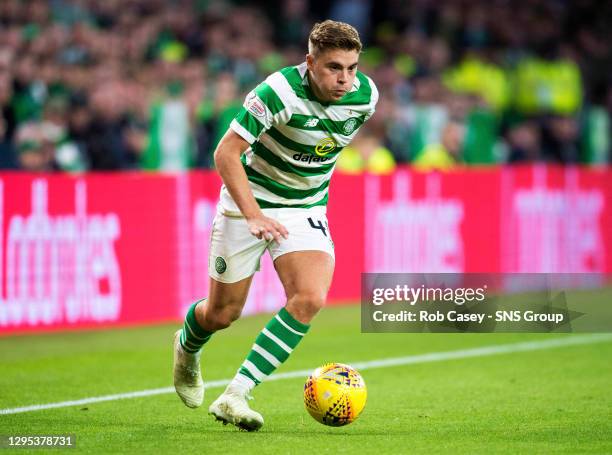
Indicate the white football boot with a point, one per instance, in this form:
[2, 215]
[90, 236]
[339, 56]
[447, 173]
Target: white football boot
[187, 375]
[232, 407]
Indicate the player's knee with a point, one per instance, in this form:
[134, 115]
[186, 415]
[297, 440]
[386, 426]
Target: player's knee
[305, 305]
[222, 319]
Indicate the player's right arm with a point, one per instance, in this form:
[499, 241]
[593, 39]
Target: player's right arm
[229, 167]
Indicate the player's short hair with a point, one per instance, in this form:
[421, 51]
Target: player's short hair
[333, 35]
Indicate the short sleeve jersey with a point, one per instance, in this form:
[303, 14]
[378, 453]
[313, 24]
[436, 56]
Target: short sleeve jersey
[295, 139]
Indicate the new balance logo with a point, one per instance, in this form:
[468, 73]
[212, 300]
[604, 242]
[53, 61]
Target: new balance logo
[311, 122]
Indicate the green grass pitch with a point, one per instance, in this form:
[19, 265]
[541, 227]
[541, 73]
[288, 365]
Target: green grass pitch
[554, 400]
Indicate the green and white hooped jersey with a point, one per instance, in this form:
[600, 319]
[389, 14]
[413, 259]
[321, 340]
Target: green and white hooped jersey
[295, 139]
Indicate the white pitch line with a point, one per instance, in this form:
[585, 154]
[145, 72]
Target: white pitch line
[366, 365]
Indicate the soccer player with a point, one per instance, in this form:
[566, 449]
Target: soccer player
[276, 161]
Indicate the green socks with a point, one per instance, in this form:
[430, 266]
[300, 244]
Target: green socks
[272, 347]
[193, 337]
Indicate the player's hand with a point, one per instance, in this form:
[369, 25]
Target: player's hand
[266, 228]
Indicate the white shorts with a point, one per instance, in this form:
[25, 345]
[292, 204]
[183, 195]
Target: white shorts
[235, 253]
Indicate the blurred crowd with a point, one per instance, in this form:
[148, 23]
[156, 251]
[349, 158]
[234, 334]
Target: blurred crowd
[153, 84]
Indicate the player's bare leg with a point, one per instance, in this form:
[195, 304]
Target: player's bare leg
[218, 311]
[306, 277]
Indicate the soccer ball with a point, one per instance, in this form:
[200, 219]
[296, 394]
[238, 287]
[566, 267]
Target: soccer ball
[335, 394]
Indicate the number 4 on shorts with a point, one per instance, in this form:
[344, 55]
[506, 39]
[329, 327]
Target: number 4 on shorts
[319, 225]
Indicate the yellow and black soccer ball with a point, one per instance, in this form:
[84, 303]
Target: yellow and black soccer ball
[335, 394]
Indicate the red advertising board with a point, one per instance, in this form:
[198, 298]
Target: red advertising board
[113, 249]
